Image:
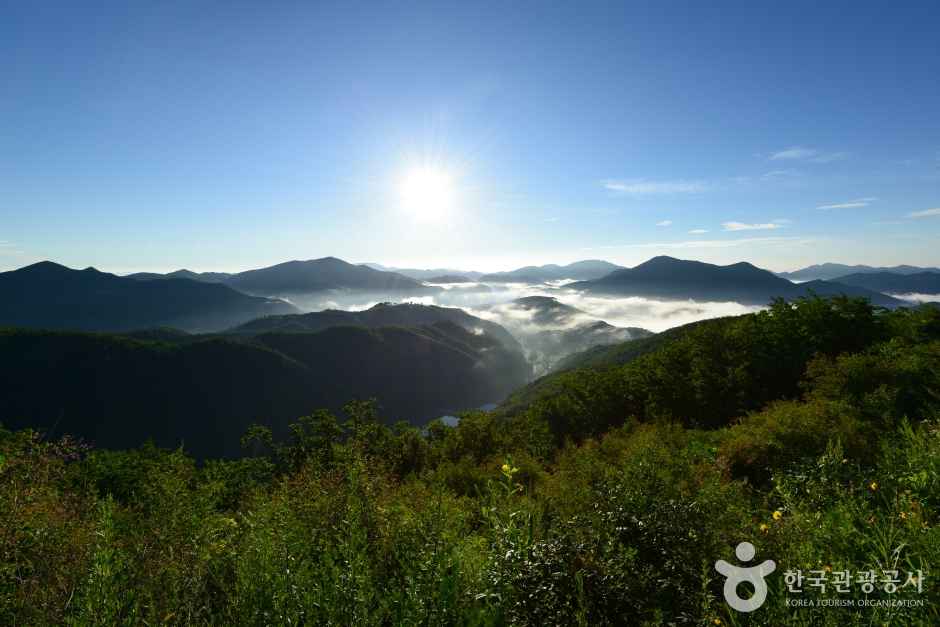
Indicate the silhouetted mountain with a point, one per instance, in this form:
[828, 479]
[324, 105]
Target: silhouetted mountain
[833, 271]
[449, 278]
[890, 282]
[425, 274]
[546, 310]
[675, 279]
[204, 393]
[328, 273]
[381, 315]
[578, 271]
[834, 288]
[205, 277]
[48, 295]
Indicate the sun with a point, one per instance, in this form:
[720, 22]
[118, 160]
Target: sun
[427, 193]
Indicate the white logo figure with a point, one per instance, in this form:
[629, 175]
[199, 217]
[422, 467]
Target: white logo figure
[737, 574]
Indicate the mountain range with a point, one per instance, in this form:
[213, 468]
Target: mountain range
[918, 283]
[298, 277]
[833, 271]
[577, 271]
[380, 315]
[206, 277]
[49, 295]
[426, 274]
[670, 278]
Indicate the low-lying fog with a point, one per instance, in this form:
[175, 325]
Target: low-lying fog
[918, 298]
[494, 301]
[550, 333]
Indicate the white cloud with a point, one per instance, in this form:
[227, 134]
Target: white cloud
[801, 153]
[851, 204]
[794, 152]
[829, 157]
[926, 213]
[644, 187]
[722, 243]
[741, 226]
[698, 231]
[664, 223]
[775, 175]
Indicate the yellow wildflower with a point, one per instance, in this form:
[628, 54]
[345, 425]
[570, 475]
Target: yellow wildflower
[777, 514]
[763, 528]
[873, 485]
[506, 468]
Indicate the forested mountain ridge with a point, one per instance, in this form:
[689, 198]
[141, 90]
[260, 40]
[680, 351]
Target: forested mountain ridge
[379, 315]
[203, 393]
[49, 295]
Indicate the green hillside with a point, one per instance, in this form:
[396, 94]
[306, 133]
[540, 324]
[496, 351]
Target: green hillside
[811, 430]
[204, 393]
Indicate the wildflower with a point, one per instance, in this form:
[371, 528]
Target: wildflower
[903, 515]
[763, 527]
[827, 568]
[716, 621]
[777, 514]
[506, 468]
[873, 486]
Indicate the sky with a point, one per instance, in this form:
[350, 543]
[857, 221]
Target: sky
[234, 135]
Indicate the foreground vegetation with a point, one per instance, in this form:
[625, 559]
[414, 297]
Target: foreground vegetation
[601, 496]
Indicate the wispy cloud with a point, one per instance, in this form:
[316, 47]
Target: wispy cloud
[926, 213]
[794, 152]
[743, 226]
[801, 153]
[698, 231]
[722, 243]
[851, 204]
[640, 187]
[664, 223]
[829, 157]
[776, 175]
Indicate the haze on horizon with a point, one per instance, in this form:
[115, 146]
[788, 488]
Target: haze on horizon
[152, 138]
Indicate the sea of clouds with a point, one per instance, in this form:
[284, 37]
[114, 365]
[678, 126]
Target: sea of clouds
[494, 302]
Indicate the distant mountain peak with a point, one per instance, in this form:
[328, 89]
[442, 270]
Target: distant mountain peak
[44, 266]
[670, 278]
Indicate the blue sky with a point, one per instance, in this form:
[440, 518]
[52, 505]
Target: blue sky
[229, 135]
